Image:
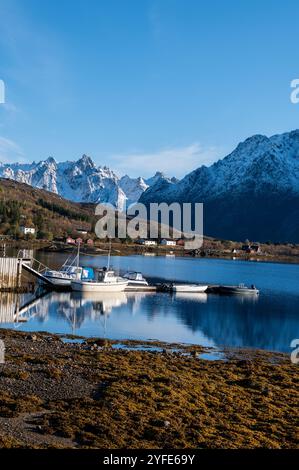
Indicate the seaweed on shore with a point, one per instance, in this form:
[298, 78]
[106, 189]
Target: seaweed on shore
[89, 394]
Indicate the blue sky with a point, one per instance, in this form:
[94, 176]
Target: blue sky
[144, 85]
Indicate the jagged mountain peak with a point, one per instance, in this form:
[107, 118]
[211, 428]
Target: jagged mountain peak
[250, 193]
[80, 180]
[132, 187]
[86, 162]
[50, 160]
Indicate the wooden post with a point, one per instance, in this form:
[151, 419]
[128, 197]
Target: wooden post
[19, 274]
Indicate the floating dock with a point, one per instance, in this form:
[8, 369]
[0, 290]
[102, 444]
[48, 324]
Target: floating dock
[11, 272]
[137, 288]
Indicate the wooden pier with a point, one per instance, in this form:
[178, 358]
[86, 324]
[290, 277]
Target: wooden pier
[10, 274]
[11, 269]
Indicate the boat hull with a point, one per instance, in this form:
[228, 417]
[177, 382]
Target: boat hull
[81, 286]
[234, 290]
[192, 288]
[137, 283]
[59, 281]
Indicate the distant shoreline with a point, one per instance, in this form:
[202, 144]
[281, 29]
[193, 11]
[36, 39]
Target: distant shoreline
[121, 249]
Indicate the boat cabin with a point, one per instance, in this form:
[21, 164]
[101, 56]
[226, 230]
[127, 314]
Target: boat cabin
[134, 276]
[104, 275]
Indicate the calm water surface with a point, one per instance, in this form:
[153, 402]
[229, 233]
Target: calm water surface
[269, 321]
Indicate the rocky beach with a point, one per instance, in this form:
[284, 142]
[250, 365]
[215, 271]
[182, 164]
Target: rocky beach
[70, 392]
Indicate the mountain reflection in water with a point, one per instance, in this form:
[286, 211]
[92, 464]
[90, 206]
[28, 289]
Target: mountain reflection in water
[209, 320]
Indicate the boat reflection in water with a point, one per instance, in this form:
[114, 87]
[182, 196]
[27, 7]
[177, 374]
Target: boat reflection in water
[267, 321]
[81, 306]
[97, 302]
[74, 307]
[201, 297]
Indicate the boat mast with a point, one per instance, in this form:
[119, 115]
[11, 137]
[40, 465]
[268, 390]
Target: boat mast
[109, 254]
[78, 254]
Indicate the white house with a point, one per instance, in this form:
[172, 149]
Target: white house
[82, 231]
[26, 230]
[147, 242]
[166, 242]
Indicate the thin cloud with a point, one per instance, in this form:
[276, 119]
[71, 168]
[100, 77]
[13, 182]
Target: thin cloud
[177, 161]
[10, 151]
[8, 114]
[10, 108]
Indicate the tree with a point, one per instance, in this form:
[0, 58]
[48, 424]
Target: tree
[38, 221]
[45, 235]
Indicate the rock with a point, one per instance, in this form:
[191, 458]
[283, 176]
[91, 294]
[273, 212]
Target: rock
[50, 339]
[266, 391]
[32, 337]
[103, 343]
[167, 351]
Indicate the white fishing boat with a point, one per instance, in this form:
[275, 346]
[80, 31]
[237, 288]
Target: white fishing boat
[64, 276]
[192, 288]
[105, 280]
[70, 270]
[135, 279]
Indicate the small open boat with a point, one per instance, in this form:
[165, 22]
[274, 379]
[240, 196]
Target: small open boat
[193, 288]
[240, 289]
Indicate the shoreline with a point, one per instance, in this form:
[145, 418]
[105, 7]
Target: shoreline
[119, 249]
[65, 391]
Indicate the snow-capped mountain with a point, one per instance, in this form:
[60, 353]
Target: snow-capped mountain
[135, 187]
[79, 181]
[252, 193]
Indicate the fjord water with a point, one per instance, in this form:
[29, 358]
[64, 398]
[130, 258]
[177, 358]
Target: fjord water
[269, 321]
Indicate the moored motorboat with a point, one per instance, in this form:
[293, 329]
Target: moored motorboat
[135, 279]
[105, 280]
[70, 270]
[62, 277]
[240, 289]
[65, 275]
